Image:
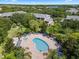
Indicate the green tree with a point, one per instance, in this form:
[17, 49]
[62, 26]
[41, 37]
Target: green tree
[9, 46]
[34, 25]
[19, 53]
[10, 56]
[54, 55]
[52, 29]
[5, 25]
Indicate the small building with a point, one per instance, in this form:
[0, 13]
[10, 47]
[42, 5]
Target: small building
[72, 10]
[46, 18]
[16, 41]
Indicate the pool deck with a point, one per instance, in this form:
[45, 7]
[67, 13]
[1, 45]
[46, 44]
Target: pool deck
[28, 43]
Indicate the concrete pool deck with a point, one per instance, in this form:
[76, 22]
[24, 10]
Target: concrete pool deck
[28, 43]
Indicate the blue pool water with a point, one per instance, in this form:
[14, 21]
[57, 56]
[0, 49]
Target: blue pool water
[41, 45]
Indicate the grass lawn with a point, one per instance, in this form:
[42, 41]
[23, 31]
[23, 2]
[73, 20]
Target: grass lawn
[1, 50]
[14, 31]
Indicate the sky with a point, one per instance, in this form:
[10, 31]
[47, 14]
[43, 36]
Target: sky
[39, 1]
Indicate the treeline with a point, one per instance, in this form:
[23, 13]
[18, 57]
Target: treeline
[54, 12]
[67, 35]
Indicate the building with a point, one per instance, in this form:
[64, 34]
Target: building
[72, 10]
[52, 7]
[46, 18]
[72, 17]
[8, 14]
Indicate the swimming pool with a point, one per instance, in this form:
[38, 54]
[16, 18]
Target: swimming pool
[41, 45]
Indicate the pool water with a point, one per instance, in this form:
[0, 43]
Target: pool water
[41, 45]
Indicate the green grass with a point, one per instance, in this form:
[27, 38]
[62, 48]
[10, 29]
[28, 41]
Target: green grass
[1, 49]
[14, 31]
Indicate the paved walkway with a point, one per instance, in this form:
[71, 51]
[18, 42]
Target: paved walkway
[28, 44]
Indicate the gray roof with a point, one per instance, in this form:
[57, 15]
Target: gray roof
[41, 15]
[72, 10]
[45, 16]
[10, 13]
[73, 17]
